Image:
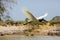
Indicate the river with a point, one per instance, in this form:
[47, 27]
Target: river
[29, 38]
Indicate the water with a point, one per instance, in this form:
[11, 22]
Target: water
[30, 38]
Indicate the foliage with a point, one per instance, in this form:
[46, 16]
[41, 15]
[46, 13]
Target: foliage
[3, 8]
[26, 20]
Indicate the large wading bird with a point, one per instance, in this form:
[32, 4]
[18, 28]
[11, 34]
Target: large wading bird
[32, 18]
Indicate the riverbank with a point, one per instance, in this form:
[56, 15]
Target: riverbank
[29, 30]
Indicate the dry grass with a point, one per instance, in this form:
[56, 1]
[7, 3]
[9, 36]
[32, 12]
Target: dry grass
[41, 30]
[31, 30]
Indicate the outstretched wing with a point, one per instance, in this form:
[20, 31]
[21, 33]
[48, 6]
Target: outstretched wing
[43, 16]
[29, 15]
